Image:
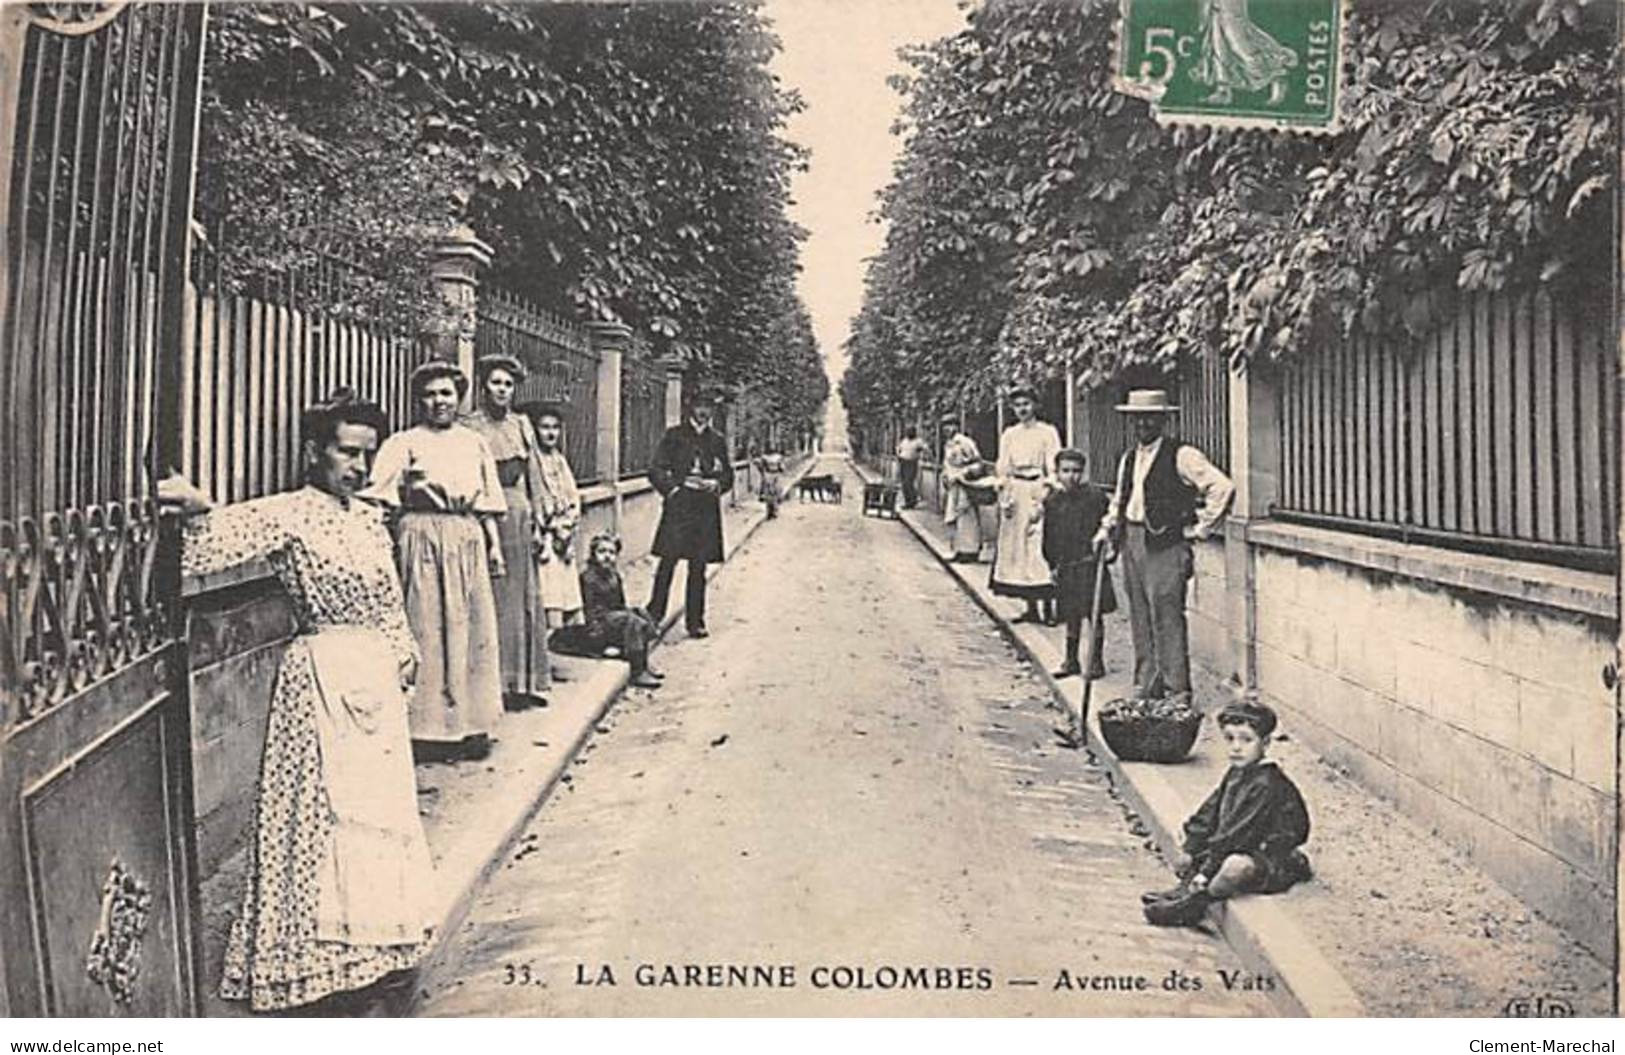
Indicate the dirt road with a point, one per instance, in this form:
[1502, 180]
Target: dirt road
[849, 800]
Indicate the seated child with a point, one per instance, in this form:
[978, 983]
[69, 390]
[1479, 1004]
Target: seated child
[1245, 837]
[1072, 515]
[608, 623]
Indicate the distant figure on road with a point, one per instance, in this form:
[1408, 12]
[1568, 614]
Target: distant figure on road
[965, 474]
[1167, 494]
[1027, 453]
[909, 449]
[1244, 839]
[691, 469]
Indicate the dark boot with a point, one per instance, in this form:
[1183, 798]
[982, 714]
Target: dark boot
[1184, 911]
[1153, 896]
[1070, 668]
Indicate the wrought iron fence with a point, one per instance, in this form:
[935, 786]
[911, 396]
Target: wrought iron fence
[1498, 432]
[643, 409]
[255, 359]
[1202, 391]
[561, 365]
[93, 286]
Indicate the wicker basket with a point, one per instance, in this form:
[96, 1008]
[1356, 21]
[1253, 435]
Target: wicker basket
[1143, 739]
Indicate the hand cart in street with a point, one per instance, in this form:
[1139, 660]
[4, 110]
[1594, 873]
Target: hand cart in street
[880, 499]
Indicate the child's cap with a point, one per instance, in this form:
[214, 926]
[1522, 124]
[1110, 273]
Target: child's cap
[1249, 712]
[1072, 454]
[605, 537]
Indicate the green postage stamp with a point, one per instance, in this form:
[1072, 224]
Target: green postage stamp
[1234, 63]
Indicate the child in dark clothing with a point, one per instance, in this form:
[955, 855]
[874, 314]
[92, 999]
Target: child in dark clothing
[1245, 837]
[608, 620]
[1072, 515]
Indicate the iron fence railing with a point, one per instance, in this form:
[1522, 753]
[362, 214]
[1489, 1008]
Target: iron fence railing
[561, 365]
[1497, 432]
[643, 409]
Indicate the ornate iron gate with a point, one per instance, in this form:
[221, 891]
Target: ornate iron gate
[98, 121]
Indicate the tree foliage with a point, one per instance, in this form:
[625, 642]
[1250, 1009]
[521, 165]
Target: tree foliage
[1037, 218]
[626, 161]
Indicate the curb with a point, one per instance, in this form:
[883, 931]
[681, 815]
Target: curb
[1262, 932]
[458, 886]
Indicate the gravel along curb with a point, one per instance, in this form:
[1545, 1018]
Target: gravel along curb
[490, 837]
[1262, 932]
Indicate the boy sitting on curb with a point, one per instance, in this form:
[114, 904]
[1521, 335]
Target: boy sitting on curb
[609, 623]
[1245, 837]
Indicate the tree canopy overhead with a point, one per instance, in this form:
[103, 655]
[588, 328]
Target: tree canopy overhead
[626, 162]
[1037, 217]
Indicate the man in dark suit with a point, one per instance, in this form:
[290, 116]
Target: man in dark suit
[692, 471]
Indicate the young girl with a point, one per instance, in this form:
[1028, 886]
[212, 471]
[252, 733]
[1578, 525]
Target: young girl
[609, 622]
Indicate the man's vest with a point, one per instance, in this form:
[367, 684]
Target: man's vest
[1170, 503]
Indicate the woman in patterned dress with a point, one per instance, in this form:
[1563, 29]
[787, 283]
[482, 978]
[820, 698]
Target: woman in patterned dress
[521, 622]
[560, 513]
[961, 458]
[1026, 463]
[340, 887]
[442, 478]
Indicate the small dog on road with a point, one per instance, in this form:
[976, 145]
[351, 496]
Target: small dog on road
[823, 488]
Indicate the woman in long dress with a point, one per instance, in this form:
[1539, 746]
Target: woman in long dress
[442, 478]
[521, 622]
[1027, 453]
[559, 514]
[339, 891]
[960, 458]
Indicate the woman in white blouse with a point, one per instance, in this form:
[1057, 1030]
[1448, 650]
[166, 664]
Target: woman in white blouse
[1027, 453]
[442, 478]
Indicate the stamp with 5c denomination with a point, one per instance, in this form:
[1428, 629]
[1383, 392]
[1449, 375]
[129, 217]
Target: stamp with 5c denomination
[1234, 63]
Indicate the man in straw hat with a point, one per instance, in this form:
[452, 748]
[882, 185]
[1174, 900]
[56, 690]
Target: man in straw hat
[1167, 494]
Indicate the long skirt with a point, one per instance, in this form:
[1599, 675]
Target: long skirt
[452, 612]
[966, 522]
[340, 882]
[521, 623]
[1019, 569]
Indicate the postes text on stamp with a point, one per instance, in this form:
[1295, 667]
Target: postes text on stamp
[1234, 63]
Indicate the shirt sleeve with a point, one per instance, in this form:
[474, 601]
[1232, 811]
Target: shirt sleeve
[233, 535]
[1215, 487]
[1114, 502]
[488, 498]
[1199, 829]
[388, 469]
[1241, 829]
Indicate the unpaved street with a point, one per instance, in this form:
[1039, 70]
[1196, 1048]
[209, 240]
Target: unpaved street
[852, 794]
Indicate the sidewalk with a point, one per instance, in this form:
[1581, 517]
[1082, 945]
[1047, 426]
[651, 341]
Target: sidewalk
[1394, 924]
[472, 811]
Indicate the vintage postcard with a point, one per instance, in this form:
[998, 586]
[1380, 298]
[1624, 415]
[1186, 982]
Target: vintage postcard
[809, 508]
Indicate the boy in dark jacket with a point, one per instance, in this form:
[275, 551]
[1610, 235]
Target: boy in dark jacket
[1245, 837]
[1072, 515]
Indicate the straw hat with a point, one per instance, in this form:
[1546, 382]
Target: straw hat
[1147, 401]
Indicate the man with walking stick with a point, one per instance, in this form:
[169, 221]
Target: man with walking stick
[1167, 495]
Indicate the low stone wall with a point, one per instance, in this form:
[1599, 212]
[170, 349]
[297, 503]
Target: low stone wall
[1466, 690]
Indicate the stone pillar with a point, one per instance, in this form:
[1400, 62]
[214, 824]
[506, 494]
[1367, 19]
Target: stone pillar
[1255, 466]
[611, 341]
[674, 389]
[459, 259]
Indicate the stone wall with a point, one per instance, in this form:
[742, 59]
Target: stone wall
[1466, 690]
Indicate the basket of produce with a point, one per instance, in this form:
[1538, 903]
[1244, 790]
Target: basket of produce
[1161, 730]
